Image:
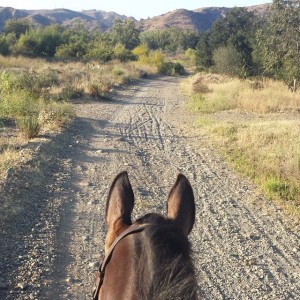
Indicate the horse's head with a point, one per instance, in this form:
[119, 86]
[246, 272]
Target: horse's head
[150, 258]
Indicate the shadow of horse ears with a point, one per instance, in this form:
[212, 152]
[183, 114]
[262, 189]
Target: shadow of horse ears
[181, 204]
[120, 201]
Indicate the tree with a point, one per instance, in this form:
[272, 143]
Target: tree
[41, 42]
[17, 26]
[279, 42]
[4, 46]
[236, 30]
[204, 51]
[125, 33]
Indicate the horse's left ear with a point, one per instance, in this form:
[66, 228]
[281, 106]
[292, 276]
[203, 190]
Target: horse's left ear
[119, 206]
[181, 204]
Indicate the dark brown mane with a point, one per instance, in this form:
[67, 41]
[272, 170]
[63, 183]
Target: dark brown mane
[163, 258]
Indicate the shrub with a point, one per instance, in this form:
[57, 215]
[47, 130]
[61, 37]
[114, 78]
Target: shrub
[100, 50]
[29, 126]
[121, 53]
[69, 93]
[227, 60]
[98, 90]
[171, 69]
[4, 46]
[35, 83]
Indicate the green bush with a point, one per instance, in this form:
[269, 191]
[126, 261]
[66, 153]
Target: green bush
[18, 104]
[121, 53]
[171, 69]
[227, 60]
[4, 46]
[35, 83]
[100, 50]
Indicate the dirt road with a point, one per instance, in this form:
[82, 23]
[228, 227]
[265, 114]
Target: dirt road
[243, 248]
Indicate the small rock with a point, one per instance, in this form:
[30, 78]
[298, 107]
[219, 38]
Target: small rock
[70, 280]
[94, 264]
[22, 285]
[85, 238]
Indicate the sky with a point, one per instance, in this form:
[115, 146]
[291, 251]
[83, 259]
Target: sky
[130, 8]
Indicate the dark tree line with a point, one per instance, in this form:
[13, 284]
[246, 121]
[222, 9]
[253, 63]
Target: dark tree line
[244, 45]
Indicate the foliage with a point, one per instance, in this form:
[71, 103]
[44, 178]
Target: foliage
[263, 147]
[145, 55]
[4, 46]
[170, 39]
[236, 31]
[171, 69]
[101, 50]
[227, 60]
[120, 52]
[125, 33]
[279, 43]
[204, 52]
[190, 56]
[17, 26]
[41, 42]
[141, 52]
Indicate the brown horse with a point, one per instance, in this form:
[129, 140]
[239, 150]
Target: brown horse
[148, 259]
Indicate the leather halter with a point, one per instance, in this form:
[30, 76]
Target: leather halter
[101, 271]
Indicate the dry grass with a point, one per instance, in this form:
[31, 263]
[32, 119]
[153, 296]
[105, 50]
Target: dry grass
[257, 127]
[215, 92]
[36, 96]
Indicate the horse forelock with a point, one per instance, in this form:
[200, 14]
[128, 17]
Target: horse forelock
[164, 268]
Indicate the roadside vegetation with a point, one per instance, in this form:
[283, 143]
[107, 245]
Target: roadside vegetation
[256, 126]
[36, 96]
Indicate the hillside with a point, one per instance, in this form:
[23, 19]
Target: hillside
[91, 19]
[199, 20]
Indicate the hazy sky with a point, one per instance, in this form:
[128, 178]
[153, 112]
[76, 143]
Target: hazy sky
[135, 8]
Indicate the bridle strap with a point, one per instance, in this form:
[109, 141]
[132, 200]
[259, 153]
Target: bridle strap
[101, 270]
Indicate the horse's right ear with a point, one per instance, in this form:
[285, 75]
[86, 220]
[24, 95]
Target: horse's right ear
[181, 204]
[119, 206]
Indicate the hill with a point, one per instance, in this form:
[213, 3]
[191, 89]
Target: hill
[92, 19]
[199, 20]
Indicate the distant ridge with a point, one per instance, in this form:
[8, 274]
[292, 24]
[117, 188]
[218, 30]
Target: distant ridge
[198, 20]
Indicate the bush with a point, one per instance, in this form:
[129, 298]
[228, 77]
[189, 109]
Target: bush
[227, 60]
[98, 90]
[35, 83]
[29, 126]
[171, 69]
[121, 53]
[100, 50]
[18, 104]
[4, 46]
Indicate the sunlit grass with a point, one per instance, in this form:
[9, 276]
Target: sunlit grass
[257, 128]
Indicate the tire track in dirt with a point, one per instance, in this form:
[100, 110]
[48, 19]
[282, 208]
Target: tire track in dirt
[243, 249]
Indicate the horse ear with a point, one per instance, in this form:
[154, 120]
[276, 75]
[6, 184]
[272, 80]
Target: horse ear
[181, 204]
[120, 203]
